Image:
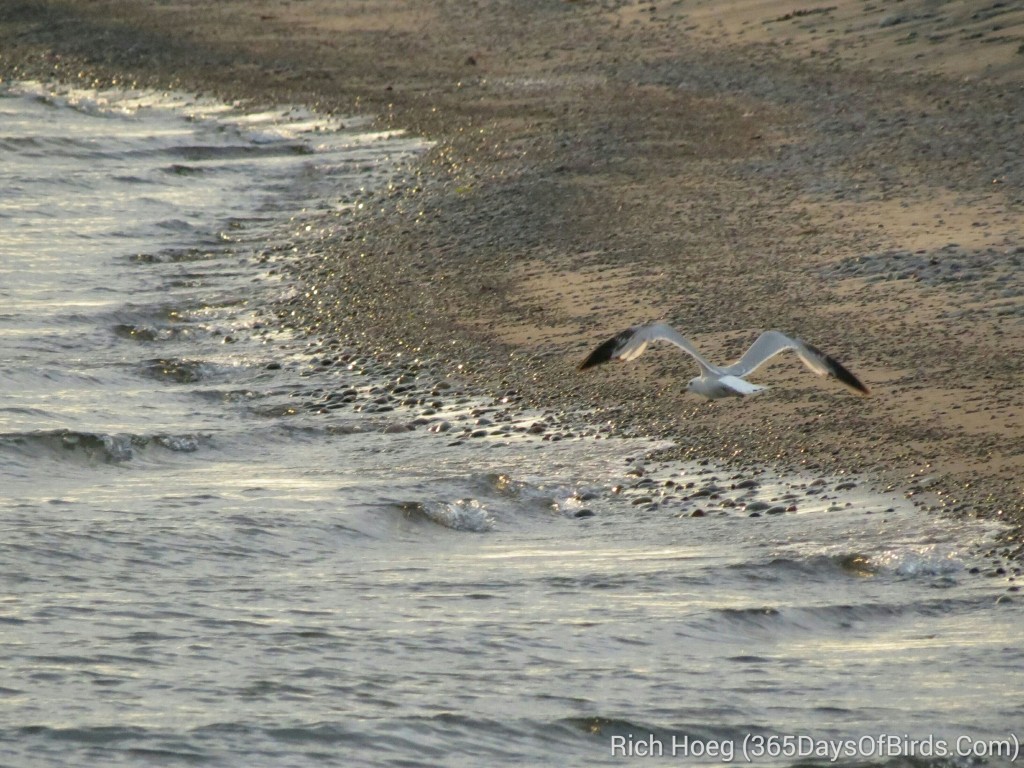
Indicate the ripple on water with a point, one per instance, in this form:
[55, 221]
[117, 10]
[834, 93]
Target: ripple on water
[178, 370]
[89, 447]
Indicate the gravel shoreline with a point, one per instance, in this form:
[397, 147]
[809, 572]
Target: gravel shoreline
[601, 164]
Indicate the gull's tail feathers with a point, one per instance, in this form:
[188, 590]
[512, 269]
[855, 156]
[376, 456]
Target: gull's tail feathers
[741, 387]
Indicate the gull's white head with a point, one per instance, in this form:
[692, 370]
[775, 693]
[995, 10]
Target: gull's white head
[704, 387]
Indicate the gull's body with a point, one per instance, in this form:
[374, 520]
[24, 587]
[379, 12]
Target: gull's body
[716, 381]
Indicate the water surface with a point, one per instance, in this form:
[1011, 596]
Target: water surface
[223, 545]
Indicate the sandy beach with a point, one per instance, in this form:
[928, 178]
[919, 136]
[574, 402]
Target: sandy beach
[846, 173]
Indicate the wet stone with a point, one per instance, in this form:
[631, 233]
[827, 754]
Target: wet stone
[706, 491]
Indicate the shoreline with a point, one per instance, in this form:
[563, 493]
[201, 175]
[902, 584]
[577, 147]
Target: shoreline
[597, 165]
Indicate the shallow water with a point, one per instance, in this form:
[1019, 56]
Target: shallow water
[223, 545]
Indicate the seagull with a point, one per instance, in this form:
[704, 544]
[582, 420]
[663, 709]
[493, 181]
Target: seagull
[715, 381]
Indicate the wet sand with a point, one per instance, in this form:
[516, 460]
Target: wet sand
[845, 173]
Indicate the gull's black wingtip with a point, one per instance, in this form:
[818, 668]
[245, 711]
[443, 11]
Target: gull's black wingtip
[608, 350]
[851, 381]
[840, 372]
[602, 354]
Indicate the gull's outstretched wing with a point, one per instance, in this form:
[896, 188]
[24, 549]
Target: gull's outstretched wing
[632, 342]
[771, 343]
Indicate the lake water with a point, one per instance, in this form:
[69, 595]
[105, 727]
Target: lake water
[225, 545]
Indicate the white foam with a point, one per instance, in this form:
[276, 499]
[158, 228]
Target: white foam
[460, 515]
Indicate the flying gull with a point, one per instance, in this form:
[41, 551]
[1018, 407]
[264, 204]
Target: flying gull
[715, 381]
